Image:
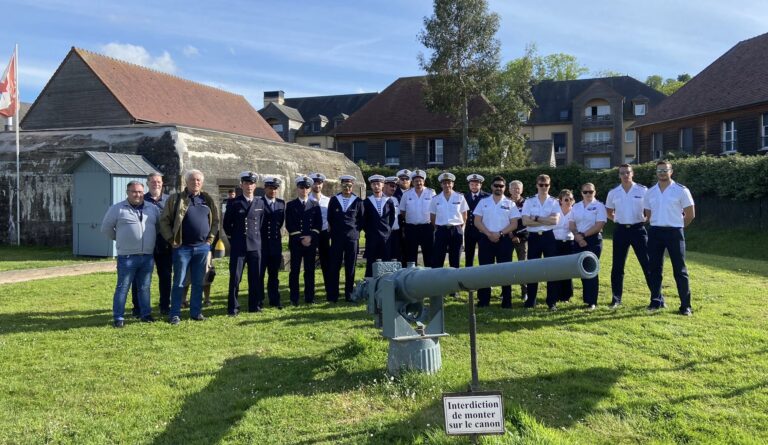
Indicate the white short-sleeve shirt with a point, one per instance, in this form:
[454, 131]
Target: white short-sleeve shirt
[667, 207]
[533, 207]
[323, 201]
[416, 207]
[562, 229]
[586, 216]
[448, 211]
[396, 224]
[496, 215]
[628, 206]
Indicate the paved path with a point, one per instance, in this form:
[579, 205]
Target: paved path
[17, 276]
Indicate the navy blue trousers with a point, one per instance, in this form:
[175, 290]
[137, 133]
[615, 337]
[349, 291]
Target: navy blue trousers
[324, 253]
[419, 235]
[564, 287]
[301, 254]
[591, 286]
[624, 236]
[237, 263]
[671, 239]
[543, 245]
[492, 253]
[472, 237]
[270, 266]
[447, 240]
[342, 251]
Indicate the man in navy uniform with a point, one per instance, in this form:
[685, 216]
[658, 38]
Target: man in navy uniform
[418, 226]
[324, 240]
[271, 241]
[669, 207]
[403, 185]
[471, 234]
[378, 219]
[396, 237]
[345, 220]
[242, 225]
[448, 213]
[303, 221]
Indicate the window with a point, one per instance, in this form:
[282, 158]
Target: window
[629, 159]
[560, 141]
[629, 136]
[598, 162]
[597, 110]
[314, 144]
[596, 137]
[729, 137]
[640, 109]
[686, 140]
[564, 115]
[277, 127]
[359, 151]
[391, 152]
[435, 151]
[657, 145]
[316, 127]
[764, 132]
[522, 116]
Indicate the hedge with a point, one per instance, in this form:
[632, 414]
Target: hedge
[739, 178]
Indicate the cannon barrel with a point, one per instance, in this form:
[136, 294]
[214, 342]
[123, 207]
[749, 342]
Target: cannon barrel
[414, 284]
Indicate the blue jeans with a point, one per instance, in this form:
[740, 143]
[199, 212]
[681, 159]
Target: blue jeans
[194, 259]
[130, 268]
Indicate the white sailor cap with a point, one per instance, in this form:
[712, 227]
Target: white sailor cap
[404, 173]
[249, 176]
[304, 180]
[271, 181]
[446, 176]
[347, 178]
[317, 177]
[419, 174]
[475, 177]
[376, 178]
[392, 179]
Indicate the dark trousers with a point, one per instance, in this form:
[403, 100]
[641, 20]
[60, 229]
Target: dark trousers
[447, 239]
[564, 287]
[591, 286]
[342, 251]
[624, 236]
[395, 245]
[376, 248]
[270, 266]
[419, 235]
[324, 253]
[521, 248]
[492, 253]
[301, 254]
[471, 238]
[673, 240]
[237, 263]
[543, 245]
[164, 268]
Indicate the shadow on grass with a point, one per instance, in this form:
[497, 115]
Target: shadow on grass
[18, 322]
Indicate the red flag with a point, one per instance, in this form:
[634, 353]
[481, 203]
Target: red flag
[8, 90]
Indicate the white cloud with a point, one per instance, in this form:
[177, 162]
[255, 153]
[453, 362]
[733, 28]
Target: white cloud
[190, 51]
[140, 56]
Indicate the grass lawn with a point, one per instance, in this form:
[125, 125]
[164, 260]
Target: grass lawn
[317, 374]
[27, 257]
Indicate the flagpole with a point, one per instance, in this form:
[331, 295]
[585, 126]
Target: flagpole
[18, 124]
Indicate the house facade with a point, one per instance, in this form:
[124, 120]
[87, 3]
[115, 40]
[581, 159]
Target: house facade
[723, 110]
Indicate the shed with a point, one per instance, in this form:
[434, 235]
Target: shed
[99, 180]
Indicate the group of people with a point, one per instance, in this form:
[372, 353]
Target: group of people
[400, 217]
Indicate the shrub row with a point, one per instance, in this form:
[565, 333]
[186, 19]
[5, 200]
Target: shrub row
[737, 177]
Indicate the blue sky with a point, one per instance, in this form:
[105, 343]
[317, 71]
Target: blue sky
[312, 48]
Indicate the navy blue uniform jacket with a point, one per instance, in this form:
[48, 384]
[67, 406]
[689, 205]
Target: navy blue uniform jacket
[345, 225]
[472, 202]
[271, 238]
[242, 224]
[377, 229]
[303, 219]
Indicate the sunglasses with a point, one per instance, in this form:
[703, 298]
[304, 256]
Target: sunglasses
[567, 199]
[662, 170]
[303, 186]
[543, 185]
[587, 192]
[498, 186]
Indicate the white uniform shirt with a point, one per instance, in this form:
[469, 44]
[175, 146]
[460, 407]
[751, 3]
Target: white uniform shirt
[667, 207]
[448, 211]
[587, 216]
[628, 206]
[323, 201]
[562, 230]
[396, 225]
[496, 215]
[533, 207]
[416, 207]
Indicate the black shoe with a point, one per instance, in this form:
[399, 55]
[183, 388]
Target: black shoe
[294, 303]
[686, 312]
[118, 323]
[553, 308]
[506, 304]
[136, 313]
[165, 311]
[174, 320]
[653, 308]
[615, 305]
[198, 317]
[256, 309]
[147, 319]
[234, 313]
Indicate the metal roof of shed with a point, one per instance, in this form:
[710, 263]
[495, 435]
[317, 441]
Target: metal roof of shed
[117, 163]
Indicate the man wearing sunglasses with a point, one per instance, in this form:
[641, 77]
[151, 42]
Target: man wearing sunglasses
[303, 221]
[669, 207]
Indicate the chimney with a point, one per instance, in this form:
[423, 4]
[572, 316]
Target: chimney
[274, 96]
[9, 124]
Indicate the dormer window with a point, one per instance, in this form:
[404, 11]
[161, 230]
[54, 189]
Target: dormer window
[317, 123]
[640, 109]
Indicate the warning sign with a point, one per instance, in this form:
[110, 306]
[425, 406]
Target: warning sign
[474, 413]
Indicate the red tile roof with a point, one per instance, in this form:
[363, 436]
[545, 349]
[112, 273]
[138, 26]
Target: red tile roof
[736, 79]
[153, 96]
[400, 108]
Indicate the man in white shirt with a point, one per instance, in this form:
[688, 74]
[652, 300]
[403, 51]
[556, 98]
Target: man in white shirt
[624, 206]
[496, 216]
[589, 218]
[669, 207]
[419, 231]
[448, 213]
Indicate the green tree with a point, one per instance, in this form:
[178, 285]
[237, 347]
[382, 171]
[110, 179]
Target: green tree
[461, 36]
[559, 66]
[667, 86]
[607, 73]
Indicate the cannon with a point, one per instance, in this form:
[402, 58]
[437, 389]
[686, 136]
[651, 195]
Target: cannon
[396, 298]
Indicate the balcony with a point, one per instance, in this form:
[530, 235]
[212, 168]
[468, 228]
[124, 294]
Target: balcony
[601, 120]
[597, 147]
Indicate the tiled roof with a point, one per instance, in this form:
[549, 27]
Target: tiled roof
[400, 108]
[117, 163]
[330, 106]
[556, 96]
[289, 112]
[737, 78]
[153, 96]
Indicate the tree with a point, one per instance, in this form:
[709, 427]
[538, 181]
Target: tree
[607, 73]
[559, 66]
[669, 85]
[464, 57]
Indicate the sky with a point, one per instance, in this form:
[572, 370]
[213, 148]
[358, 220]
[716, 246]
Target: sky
[323, 47]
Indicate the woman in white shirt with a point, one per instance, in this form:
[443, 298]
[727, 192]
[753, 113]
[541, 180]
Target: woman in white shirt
[564, 240]
[589, 217]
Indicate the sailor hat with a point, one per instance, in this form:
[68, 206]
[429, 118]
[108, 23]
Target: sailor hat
[271, 181]
[418, 174]
[475, 177]
[304, 180]
[390, 179]
[249, 177]
[317, 177]
[376, 178]
[446, 176]
[404, 173]
[347, 178]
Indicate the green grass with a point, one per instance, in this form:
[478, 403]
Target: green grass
[317, 375]
[28, 257]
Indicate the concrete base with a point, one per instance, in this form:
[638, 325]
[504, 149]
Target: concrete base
[421, 355]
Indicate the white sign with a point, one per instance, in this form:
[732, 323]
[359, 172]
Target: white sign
[474, 413]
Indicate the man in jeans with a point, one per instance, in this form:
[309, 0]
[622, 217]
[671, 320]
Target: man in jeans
[134, 226]
[189, 222]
